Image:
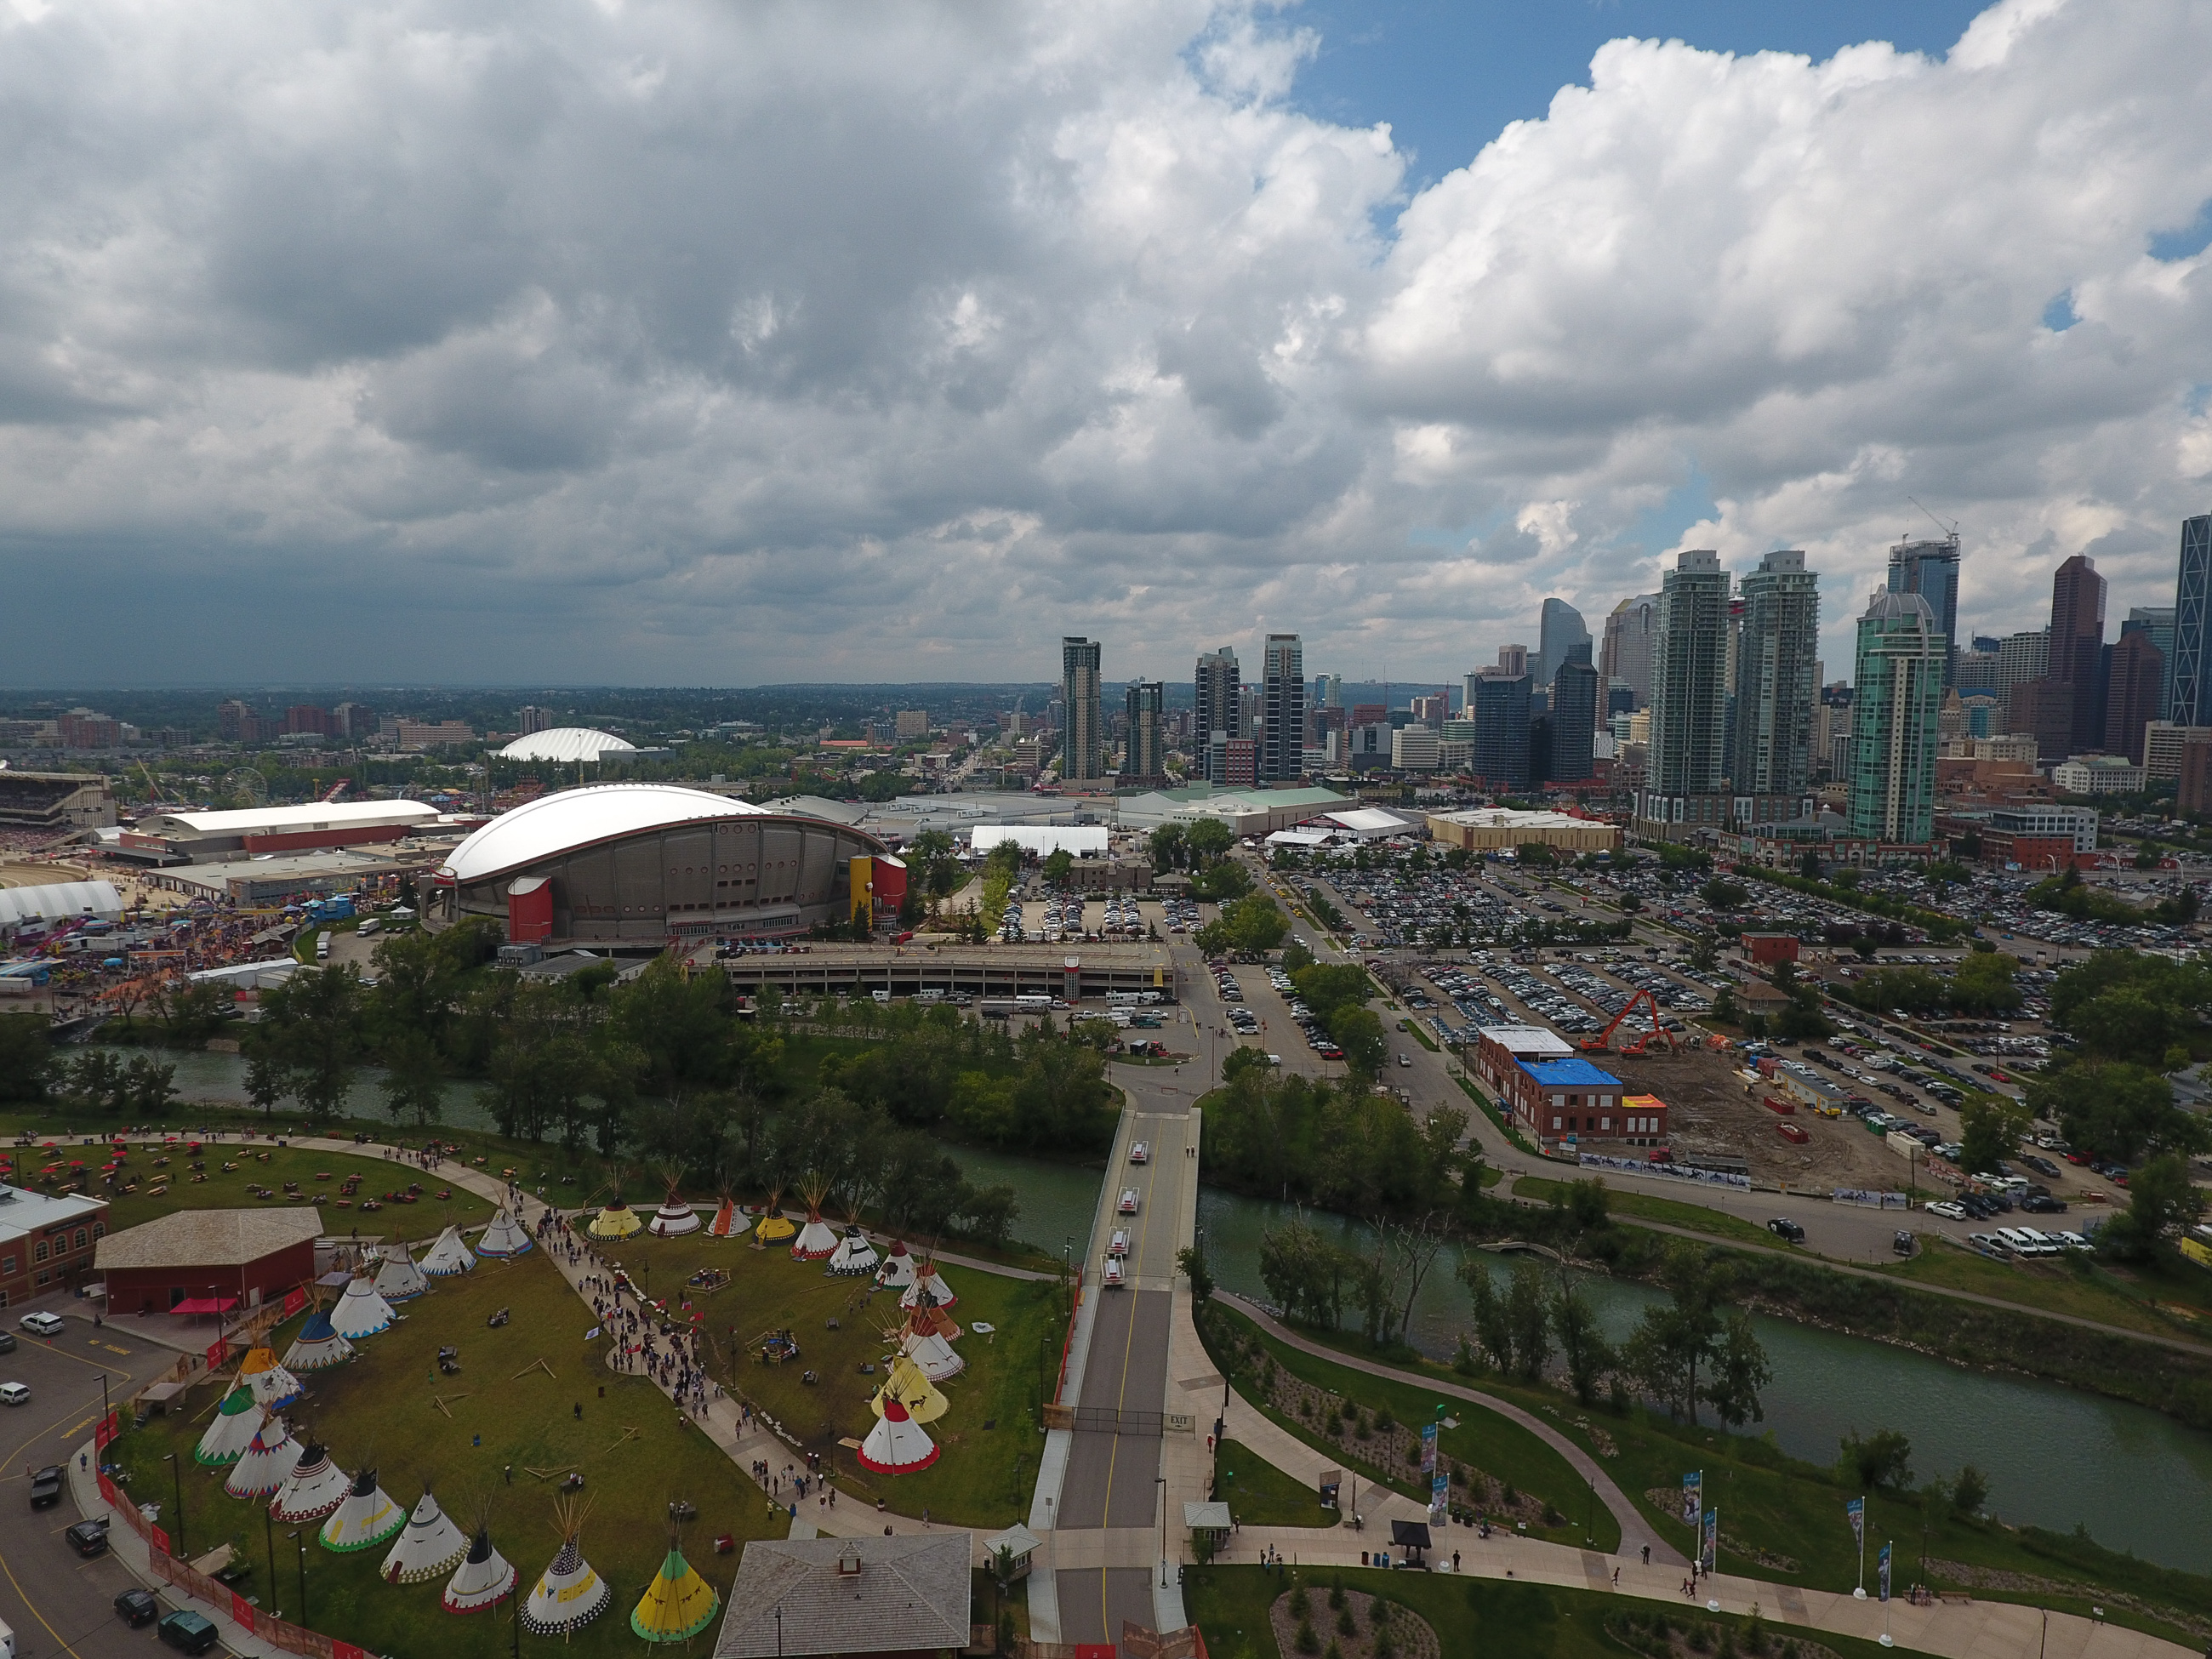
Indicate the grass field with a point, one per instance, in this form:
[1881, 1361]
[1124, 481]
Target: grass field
[2074, 1285]
[1695, 1217]
[504, 1409]
[1260, 1495]
[226, 1190]
[1489, 1442]
[989, 1438]
[1471, 1616]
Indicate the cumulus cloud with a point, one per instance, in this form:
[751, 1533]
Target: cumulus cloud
[660, 342]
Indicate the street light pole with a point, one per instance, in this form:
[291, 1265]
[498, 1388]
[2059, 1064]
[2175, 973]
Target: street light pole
[176, 1474]
[1161, 1480]
[295, 1538]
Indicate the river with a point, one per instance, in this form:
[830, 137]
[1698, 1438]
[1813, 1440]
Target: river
[2055, 1457]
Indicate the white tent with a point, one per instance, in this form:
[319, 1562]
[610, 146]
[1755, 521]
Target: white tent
[930, 1283]
[505, 1236]
[482, 1580]
[268, 1464]
[937, 1358]
[366, 1517]
[361, 1311]
[898, 1444]
[853, 1255]
[274, 1387]
[897, 1271]
[314, 1488]
[569, 1594]
[232, 1429]
[431, 1545]
[316, 1345]
[817, 1239]
[673, 1219]
[448, 1256]
[729, 1220]
[399, 1279]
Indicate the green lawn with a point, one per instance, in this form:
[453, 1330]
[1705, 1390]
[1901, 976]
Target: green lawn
[1673, 1211]
[1489, 1617]
[504, 1409]
[2074, 1285]
[226, 1190]
[989, 1437]
[1794, 1510]
[1484, 1439]
[1260, 1495]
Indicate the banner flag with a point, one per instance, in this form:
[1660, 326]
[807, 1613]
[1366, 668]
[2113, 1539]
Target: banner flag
[1693, 1496]
[295, 1299]
[1856, 1510]
[1439, 1498]
[1885, 1572]
[1428, 1448]
[1712, 1549]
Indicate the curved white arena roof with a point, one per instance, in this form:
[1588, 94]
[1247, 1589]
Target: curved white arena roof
[566, 743]
[578, 817]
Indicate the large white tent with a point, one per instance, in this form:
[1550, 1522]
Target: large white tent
[361, 1311]
[431, 1543]
[366, 1517]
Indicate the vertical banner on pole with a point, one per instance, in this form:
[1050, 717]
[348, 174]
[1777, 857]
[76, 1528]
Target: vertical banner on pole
[1693, 1497]
[1883, 1570]
[1855, 1512]
[1439, 1499]
[1709, 1556]
[1428, 1449]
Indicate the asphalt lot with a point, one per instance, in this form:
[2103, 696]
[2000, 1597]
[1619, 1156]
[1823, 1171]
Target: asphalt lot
[55, 1601]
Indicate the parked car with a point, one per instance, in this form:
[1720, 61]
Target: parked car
[41, 1324]
[136, 1606]
[7, 1341]
[188, 1633]
[88, 1537]
[13, 1394]
[1948, 1210]
[1782, 1227]
[46, 1488]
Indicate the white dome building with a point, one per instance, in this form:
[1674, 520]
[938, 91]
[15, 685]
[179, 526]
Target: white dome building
[565, 745]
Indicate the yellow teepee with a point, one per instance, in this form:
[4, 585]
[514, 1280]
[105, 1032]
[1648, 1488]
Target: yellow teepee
[913, 1390]
[676, 1605]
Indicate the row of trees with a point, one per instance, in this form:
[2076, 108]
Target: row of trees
[1336, 1144]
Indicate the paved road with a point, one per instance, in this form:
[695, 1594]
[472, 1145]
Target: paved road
[57, 1602]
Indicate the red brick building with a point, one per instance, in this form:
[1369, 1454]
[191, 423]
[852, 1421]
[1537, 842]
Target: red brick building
[1767, 949]
[243, 1257]
[46, 1243]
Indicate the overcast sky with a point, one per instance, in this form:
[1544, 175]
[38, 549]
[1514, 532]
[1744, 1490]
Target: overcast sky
[714, 343]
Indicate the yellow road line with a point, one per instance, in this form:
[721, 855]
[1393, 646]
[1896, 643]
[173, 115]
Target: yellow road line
[35, 1614]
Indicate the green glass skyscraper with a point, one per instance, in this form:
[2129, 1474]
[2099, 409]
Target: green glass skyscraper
[1894, 726]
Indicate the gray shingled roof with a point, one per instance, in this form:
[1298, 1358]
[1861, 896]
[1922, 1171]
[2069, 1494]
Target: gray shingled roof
[911, 1592]
[208, 1238]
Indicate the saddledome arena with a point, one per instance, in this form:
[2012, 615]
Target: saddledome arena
[648, 863]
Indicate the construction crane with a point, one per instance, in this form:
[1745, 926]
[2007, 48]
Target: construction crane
[1603, 1040]
[153, 789]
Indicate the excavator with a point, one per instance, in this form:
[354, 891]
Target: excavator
[1603, 1041]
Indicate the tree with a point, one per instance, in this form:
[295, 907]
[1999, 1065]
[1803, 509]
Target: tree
[1809, 866]
[1494, 1331]
[1673, 1342]
[1582, 1344]
[1255, 925]
[26, 1057]
[1057, 863]
[1358, 1032]
[1240, 1060]
[1169, 847]
[1881, 1461]
[1984, 982]
[2163, 1202]
[2114, 1109]
[1970, 1490]
[1724, 895]
[1725, 1011]
[1208, 839]
[413, 1078]
[1528, 1318]
[1191, 1263]
[1990, 1126]
[311, 1025]
[1738, 1371]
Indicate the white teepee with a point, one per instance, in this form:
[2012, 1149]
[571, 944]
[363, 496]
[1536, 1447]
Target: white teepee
[268, 1464]
[928, 1282]
[232, 1429]
[361, 1311]
[448, 1255]
[505, 1236]
[854, 1255]
[366, 1517]
[482, 1580]
[569, 1594]
[314, 1488]
[273, 1386]
[316, 1345]
[818, 1239]
[898, 1444]
[674, 1217]
[937, 1358]
[431, 1545]
[729, 1220]
[399, 1279]
[897, 1271]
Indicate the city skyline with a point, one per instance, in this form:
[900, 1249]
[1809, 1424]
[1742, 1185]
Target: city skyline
[659, 392]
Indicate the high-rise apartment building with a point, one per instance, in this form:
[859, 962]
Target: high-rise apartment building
[2190, 700]
[1513, 658]
[1778, 676]
[2157, 621]
[1083, 744]
[1898, 702]
[1931, 570]
[909, 723]
[1559, 631]
[1218, 688]
[1687, 761]
[2133, 676]
[1145, 760]
[1429, 711]
[1501, 728]
[2077, 638]
[1630, 633]
[527, 721]
[1569, 755]
[1283, 717]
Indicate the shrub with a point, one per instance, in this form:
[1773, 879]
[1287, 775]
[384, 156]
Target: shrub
[1384, 1647]
[1700, 1638]
[1384, 1420]
[1379, 1614]
[1344, 1622]
[1336, 1591]
[1301, 1606]
[1307, 1642]
[1363, 1428]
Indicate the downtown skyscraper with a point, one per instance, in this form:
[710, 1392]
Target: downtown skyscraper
[1218, 688]
[1145, 760]
[1896, 708]
[1686, 762]
[1282, 715]
[1083, 745]
[1931, 570]
[2188, 697]
[1777, 680]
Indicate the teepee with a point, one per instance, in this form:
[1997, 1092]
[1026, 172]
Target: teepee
[854, 1255]
[273, 1386]
[482, 1580]
[365, 1518]
[910, 1386]
[927, 1346]
[674, 1217]
[678, 1604]
[817, 1239]
[928, 1282]
[448, 1255]
[399, 1279]
[569, 1594]
[430, 1544]
[729, 1220]
[316, 1345]
[314, 1488]
[505, 1236]
[898, 1444]
[268, 1462]
[897, 1271]
[775, 1226]
[232, 1429]
[361, 1311]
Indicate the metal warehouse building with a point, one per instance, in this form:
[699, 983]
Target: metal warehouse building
[648, 862]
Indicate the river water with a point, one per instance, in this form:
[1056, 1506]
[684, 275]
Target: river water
[2054, 1458]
